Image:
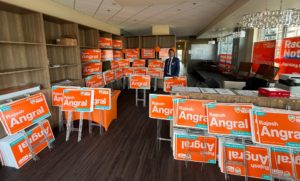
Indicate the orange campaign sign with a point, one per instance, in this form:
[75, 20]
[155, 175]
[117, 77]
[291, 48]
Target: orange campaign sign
[117, 44]
[148, 53]
[156, 73]
[114, 64]
[105, 42]
[20, 114]
[57, 94]
[132, 54]
[283, 164]
[164, 53]
[106, 55]
[169, 82]
[161, 106]
[78, 100]
[139, 82]
[127, 71]
[139, 63]
[229, 119]
[257, 161]
[140, 71]
[109, 76]
[117, 54]
[90, 55]
[20, 148]
[102, 98]
[119, 74]
[191, 113]
[92, 68]
[124, 63]
[276, 127]
[94, 81]
[195, 148]
[155, 64]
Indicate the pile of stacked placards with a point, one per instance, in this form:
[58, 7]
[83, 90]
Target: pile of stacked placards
[29, 132]
[247, 140]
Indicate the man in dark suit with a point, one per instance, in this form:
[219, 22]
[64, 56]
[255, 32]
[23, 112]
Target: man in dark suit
[172, 66]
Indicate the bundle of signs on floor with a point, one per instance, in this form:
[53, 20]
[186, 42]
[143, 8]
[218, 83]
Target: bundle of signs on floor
[244, 139]
[25, 123]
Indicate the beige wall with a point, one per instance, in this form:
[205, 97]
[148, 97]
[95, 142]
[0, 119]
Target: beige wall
[54, 9]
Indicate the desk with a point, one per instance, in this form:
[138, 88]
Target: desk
[108, 115]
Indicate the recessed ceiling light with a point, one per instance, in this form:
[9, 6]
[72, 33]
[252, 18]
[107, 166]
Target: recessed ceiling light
[108, 10]
[194, 4]
[178, 9]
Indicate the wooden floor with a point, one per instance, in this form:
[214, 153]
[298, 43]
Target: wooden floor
[126, 152]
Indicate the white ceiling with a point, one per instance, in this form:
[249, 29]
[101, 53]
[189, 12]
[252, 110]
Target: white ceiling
[185, 17]
[231, 20]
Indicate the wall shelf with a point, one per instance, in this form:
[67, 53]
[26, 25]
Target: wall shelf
[19, 42]
[19, 70]
[62, 66]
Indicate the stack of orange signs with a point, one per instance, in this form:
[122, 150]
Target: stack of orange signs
[117, 54]
[132, 54]
[156, 73]
[105, 42]
[127, 71]
[124, 63]
[18, 115]
[114, 64]
[107, 55]
[139, 82]
[102, 98]
[169, 82]
[244, 160]
[57, 94]
[118, 74]
[78, 100]
[276, 127]
[94, 81]
[109, 76]
[229, 119]
[148, 53]
[155, 64]
[194, 147]
[117, 44]
[139, 63]
[92, 68]
[14, 148]
[191, 113]
[285, 163]
[140, 71]
[90, 55]
[161, 106]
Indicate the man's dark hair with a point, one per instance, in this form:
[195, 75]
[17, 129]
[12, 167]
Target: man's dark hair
[171, 50]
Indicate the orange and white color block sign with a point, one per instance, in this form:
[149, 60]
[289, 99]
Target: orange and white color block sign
[18, 115]
[229, 119]
[107, 55]
[78, 100]
[156, 73]
[169, 82]
[191, 113]
[127, 71]
[114, 64]
[155, 64]
[118, 55]
[109, 76]
[140, 71]
[278, 128]
[102, 98]
[117, 44]
[139, 63]
[283, 164]
[195, 148]
[90, 55]
[94, 81]
[161, 106]
[19, 148]
[132, 54]
[148, 53]
[124, 63]
[57, 94]
[92, 68]
[118, 74]
[105, 42]
[139, 82]
[257, 161]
